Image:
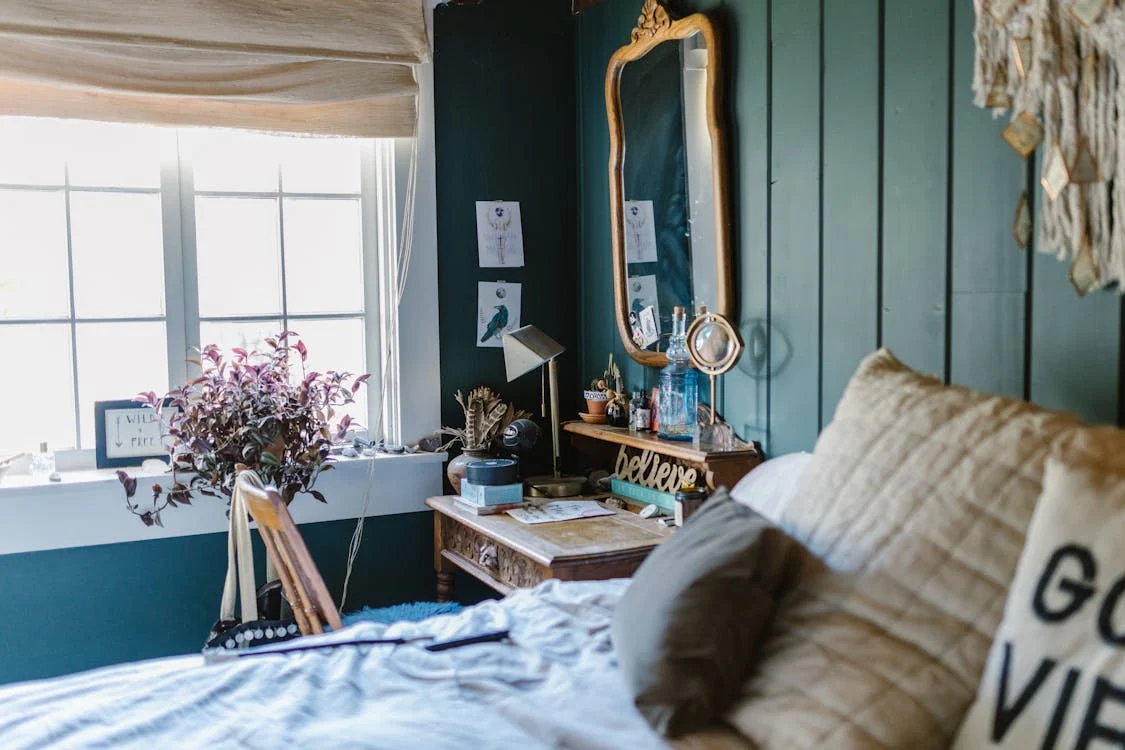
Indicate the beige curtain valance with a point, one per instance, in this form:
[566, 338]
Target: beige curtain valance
[332, 67]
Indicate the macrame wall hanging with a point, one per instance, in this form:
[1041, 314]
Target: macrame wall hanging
[1053, 64]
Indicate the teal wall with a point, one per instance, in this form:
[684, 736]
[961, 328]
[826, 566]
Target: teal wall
[504, 104]
[73, 609]
[873, 205]
[510, 137]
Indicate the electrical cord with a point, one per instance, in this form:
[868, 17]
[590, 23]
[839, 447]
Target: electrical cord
[404, 252]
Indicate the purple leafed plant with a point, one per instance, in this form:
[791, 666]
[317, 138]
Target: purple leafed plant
[250, 411]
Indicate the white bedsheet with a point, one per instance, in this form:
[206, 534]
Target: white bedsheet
[556, 687]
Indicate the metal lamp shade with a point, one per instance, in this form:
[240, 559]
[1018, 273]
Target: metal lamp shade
[526, 349]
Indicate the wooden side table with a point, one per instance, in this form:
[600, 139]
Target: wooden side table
[506, 554]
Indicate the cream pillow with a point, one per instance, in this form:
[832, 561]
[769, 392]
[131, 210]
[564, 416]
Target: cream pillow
[768, 488]
[917, 498]
[1056, 671]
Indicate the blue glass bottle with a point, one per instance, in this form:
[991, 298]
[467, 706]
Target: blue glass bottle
[679, 386]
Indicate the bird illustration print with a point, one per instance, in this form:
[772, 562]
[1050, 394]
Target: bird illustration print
[497, 324]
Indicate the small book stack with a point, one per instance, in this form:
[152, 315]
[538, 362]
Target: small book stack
[486, 499]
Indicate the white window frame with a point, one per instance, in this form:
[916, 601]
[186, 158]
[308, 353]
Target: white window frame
[378, 227]
[384, 168]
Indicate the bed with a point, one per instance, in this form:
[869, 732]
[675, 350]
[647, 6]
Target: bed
[554, 685]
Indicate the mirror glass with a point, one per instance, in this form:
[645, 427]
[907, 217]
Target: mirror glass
[669, 204]
[712, 345]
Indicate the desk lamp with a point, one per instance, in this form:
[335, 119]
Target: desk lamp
[527, 349]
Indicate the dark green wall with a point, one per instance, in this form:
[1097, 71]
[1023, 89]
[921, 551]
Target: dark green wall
[873, 206]
[73, 609]
[504, 85]
[504, 104]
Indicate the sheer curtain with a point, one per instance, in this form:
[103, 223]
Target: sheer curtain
[327, 67]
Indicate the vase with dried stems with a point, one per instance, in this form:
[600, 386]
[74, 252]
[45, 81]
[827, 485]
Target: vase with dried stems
[486, 417]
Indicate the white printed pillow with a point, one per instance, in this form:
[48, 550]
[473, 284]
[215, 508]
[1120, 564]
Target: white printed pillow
[1055, 676]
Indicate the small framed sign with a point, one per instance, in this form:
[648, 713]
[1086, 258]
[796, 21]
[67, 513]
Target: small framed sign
[126, 433]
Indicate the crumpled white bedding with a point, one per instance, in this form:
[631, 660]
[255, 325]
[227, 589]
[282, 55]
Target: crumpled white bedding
[556, 687]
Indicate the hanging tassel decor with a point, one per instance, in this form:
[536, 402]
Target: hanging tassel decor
[1052, 67]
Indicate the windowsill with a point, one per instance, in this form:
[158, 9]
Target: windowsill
[87, 508]
[26, 484]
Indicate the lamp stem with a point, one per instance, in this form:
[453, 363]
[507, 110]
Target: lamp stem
[553, 374]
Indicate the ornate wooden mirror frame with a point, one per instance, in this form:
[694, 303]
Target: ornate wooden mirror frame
[655, 26]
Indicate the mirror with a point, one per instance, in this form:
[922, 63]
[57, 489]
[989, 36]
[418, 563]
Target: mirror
[668, 207]
[714, 346]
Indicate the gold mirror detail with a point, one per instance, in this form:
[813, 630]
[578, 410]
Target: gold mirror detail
[653, 19]
[708, 249]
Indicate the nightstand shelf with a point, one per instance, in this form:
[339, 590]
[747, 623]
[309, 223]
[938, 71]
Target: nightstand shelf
[720, 467]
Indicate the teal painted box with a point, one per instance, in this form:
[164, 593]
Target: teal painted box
[499, 494]
[645, 495]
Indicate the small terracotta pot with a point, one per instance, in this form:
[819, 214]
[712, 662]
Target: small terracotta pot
[595, 402]
[459, 465]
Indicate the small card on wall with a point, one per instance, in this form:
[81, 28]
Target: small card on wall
[499, 234]
[650, 329]
[640, 232]
[498, 311]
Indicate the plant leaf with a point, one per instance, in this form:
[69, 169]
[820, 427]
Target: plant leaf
[128, 482]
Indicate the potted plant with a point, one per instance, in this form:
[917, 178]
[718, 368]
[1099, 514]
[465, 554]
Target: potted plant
[603, 389]
[486, 417]
[249, 411]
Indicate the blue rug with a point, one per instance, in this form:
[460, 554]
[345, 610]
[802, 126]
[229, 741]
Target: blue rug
[412, 612]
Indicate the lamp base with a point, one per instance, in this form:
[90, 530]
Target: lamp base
[551, 486]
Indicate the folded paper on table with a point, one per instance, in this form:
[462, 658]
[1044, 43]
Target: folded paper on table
[560, 510]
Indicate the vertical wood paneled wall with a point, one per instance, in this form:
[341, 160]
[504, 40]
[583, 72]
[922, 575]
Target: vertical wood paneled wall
[873, 206]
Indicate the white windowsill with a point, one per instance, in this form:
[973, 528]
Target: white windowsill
[88, 507]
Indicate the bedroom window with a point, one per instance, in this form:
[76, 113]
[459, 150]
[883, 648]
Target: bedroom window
[124, 246]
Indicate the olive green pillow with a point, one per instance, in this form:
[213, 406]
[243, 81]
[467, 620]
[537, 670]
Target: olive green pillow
[688, 628]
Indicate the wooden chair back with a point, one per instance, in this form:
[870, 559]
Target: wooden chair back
[312, 607]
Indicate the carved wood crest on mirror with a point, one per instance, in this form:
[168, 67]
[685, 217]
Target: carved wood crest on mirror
[667, 178]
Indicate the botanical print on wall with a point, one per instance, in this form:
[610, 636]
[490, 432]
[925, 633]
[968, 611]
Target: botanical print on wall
[499, 234]
[640, 232]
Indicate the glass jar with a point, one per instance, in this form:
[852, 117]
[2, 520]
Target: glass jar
[679, 386]
[42, 464]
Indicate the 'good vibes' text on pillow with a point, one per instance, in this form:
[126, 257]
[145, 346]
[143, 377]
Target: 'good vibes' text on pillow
[1068, 584]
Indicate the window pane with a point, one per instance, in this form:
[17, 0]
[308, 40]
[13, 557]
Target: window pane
[336, 345]
[245, 334]
[238, 258]
[323, 256]
[36, 390]
[118, 247]
[33, 273]
[31, 151]
[320, 165]
[110, 155]
[233, 160]
[118, 361]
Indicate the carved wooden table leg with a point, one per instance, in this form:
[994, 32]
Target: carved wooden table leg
[444, 568]
[445, 586]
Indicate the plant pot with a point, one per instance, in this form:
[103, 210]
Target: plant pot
[595, 402]
[457, 466]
